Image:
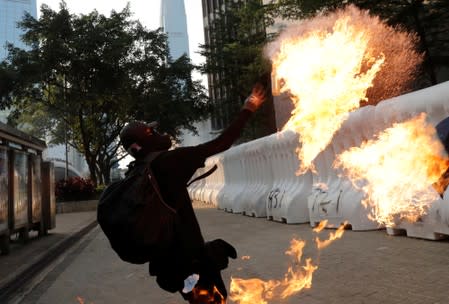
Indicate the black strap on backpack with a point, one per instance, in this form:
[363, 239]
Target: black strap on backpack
[204, 175]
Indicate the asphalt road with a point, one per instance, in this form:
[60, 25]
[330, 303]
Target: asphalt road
[361, 267]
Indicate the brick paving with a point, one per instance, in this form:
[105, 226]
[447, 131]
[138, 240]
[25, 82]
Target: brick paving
[361, 268]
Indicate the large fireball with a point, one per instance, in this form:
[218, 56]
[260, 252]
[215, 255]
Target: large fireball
[329, 64]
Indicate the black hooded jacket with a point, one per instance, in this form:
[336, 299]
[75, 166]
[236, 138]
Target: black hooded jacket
[173, 169]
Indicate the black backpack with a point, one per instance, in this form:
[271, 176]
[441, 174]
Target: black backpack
[134, 216]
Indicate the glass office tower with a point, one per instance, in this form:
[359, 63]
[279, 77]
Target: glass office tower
[11, 12]
[174, 24]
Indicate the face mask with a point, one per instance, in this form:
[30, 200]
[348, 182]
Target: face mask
[156, 142]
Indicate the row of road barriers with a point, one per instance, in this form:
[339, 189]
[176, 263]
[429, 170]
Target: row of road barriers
[259, 178]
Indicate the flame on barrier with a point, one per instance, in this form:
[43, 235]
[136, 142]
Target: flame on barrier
[297, 278]
[328, 63]
[396, 170]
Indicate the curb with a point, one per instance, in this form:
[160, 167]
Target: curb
[24, 276]
[76, 206]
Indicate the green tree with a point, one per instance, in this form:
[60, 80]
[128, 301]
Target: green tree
[90, 74]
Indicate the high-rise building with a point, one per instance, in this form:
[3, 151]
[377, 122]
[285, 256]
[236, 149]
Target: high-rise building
[11, 12]
[217, 92]
[174, 24]
[221, 29]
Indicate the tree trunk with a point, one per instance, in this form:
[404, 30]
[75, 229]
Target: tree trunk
[92, 170]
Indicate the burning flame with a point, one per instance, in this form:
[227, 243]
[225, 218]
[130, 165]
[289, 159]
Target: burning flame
[327, 64]
[202, 296]
[297, 278]
[396, 170]
[320, 226]
[323, 71]
[252, 290]
[81, 300]
[332, 237]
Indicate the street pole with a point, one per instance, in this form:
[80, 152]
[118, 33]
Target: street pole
[66, 175]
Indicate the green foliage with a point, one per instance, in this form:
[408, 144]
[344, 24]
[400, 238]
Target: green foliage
[86, 76]
[99, 190]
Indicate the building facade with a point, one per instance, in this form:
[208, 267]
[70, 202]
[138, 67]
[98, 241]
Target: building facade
[222, 32]
[211, 10]
[11, 12]
[69, 161]
[174, 23]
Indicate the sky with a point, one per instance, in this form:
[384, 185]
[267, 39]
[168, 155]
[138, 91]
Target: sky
[146, 11]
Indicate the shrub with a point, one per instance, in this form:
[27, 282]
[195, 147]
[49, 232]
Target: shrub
[75, 189]
[99, 190]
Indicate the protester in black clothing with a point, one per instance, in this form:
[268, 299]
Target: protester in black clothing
[189, 254]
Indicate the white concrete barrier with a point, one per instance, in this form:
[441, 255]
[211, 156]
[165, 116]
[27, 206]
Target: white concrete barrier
[210, 181]
[287, 200]
[334, 198]
[235, 180]
[195, 188]
[218, 181]
[258, 178]
[281, 172]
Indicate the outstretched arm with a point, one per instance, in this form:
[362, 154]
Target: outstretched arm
[186, 160]
[231, 133]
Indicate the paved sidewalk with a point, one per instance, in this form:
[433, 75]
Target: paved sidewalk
[24, 256]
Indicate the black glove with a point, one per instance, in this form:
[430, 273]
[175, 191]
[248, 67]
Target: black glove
[217, 254]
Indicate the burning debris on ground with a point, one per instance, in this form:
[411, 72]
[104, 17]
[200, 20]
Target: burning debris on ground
[298, 277]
